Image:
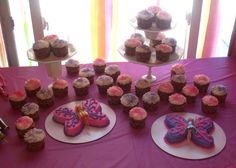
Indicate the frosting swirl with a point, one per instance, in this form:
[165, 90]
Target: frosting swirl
[72, 63]
[24, 122]
[164, 48]
[40, 44]
[151, 97]
[190, 90]
[177, 99]
[44, 94]
[17, 96]
[210, 100]
[178, 78]
[129, 100]
[178, 69]
[142, 83]
[86, 72]
[104, 80]
[219, 90]
[132, 42]
[124, 79]
[34, 135]
[201, 79]
[115, 91]
[29, 108]
[112, 69]
[166, 87]
[137, 113]
[99, 62]
[32, 84]
[81, 82]
[60, 84]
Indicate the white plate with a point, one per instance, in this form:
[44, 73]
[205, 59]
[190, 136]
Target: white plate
[88, 134]
[71, 51]
[187, 149]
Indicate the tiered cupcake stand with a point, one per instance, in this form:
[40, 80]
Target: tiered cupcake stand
[151, 34]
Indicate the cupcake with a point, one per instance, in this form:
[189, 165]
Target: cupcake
[142, 86]
[103, 82]
[51, 38]
[45, 97]
[23, 124]
[124, 81]
[177, 102]
[72, 67]
[171, 42]
[177, 69]
[154, 9]
[143, 53]
[99, 65]
[137, 117]
[190, 92]
[163, 52]
[144, 19]
[220, 92]
[17, 99]
[81, 86]
[60, 48]
[31, 110]
[130, 46]
[202, 82]
[113, 71]
[114, 94]
[158, 40]
[163, 20]
[87, 73]
[150, 101]
[41, 49]
[128, 101]
[138, 36]
[60, 88]
[34, 139]
[165, 90]
[178, 82]
[32, 86]
[209, 104]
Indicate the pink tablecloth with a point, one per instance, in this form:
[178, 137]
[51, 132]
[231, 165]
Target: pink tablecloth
[123, 146]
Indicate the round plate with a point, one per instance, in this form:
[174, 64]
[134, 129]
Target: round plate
[187, 149]
[88, 134]
[71, 51]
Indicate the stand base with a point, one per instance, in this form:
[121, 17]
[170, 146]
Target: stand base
[150, 78]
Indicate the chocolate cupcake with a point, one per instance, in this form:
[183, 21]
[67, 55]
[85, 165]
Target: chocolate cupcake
[163, 20]
[143, 53]
[99, 65]
[154, 9]
[103, 82]
[72, 67]
[60, 88]
[81, 86]
[128, 101]
[41, 49]
[130, 46]
[190, 92]
[137, 117]
[31, 110]
[178, 82]
[17, 99]
[114, 94]
[150, 101]
[142, 86]
[158, 40]
[113, 71]
[202, 82]
[32, 86]
[50, 38]
[209, 104]
[23, 124]
[45, 97]
[124, 81]
[144, 19]
[177, 69]
[177, 102]
[165, 90]
[60, 48]
[138, 36]
[163, 52]
[171, 42]
[34, 139]
[220, 92]
[88, 73]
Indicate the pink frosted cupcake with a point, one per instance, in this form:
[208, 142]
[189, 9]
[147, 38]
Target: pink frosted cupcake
[202, 82]
[163, 52]
[51, 38]
[114, 94]
[17, 99]
[32, 86]
[130, 46]
[23, 124]
[158, 39]
[209, 104]
[163, 20]
[177, 102]
[138, 36]
[60, 88]
[165, 90]
[99, 65]
[190, 92]
[137, 117]
[177, 69]
[154, 9]
[124, 81]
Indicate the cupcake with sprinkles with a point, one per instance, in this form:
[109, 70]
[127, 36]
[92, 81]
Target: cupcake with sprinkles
[177, 102]
[45, 97]
[209, 104]
[177, 69]
[202, 82]
[60, 88]
[32, 86]
[190, 92]
[113, 71]
[17, 99]
[124, 81]
[103, 82]
[150, 101]
[81, 86]
[128, 101]
[114, 94]
[99, 65]
[31, 110]
[72, 67]
[137, 117]
[88, 73]
[165, 90]
[220, 92]
[23, 124]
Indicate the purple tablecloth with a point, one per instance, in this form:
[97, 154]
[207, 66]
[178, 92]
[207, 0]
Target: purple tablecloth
[123, 146]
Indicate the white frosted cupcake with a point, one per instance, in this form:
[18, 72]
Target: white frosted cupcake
[128, 101]
[113, 71]
[31, 110]
[202, 82]
[150, 101]
[81, 86]
[72, 67]
[220, 92]
[34, 139]
[103, 82]
[41, 49]
[45, 97]
[88, 73]
[142, 86]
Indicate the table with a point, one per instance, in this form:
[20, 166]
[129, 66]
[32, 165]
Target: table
[123, 146]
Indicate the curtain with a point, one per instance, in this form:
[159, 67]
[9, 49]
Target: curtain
[232, 46]
[3, 57]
